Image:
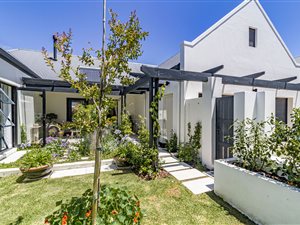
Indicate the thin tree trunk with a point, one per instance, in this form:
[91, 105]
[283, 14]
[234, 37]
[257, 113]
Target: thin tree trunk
[96, 184]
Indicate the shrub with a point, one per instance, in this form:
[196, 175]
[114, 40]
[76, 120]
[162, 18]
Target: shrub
[139, 155]
[285, 143]
[254, 147]
[125, 151]
[251, 145]
[82, 147]
[172, 144]
[109, 143]
[117, 207]
[23, 134]
[35, 158]
[188, 152]
[144, 161]
[126, 124]
[56, 146]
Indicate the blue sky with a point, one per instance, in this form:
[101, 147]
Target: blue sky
[30, 24]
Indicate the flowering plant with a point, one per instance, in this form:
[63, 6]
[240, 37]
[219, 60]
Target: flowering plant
[56, 146]
[117, 207]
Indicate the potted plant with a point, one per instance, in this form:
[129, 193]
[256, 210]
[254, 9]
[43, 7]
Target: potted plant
[36, 164]
[123, 154]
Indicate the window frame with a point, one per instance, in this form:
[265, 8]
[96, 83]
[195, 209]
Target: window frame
[254, 45]
[69, 106]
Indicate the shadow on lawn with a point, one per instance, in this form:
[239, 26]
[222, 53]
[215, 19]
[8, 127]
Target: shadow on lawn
[23, 179]
[18, 221]
[232, 211]
[121, 172]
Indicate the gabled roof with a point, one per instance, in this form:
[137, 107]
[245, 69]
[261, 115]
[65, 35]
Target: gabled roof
[232, 13]
[16, 63]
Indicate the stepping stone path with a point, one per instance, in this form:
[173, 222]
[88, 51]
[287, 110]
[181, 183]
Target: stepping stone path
[194, 180]
[80, 171]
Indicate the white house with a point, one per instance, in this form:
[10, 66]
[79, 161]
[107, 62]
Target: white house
[244, 44]
[30, 90]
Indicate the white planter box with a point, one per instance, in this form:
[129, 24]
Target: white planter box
[263, 200]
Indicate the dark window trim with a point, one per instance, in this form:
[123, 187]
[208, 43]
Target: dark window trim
[253, 43]
[69, 106]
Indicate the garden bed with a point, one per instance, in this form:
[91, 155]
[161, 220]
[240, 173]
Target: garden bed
[264, 200]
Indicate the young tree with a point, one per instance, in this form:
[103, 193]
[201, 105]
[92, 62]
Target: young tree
[123, 44]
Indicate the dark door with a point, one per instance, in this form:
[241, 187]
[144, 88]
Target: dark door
[281, 109]
[224, 129]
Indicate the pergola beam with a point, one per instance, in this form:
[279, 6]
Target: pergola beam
[214, 70]
[288, 79]
[136, 85]
[174, 75]
[255, 75]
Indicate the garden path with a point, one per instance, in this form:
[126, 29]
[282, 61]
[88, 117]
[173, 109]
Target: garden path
[194, 180]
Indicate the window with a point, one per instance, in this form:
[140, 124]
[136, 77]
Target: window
[71, 104]
[252, 37]
[281, 109]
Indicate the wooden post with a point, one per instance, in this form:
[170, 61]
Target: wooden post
[44, 116]
[150, 115]
[156, 87]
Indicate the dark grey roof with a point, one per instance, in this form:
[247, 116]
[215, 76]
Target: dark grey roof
[35, 61]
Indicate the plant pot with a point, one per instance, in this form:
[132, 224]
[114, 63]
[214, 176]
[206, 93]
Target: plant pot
[36, 173]
[121, 163]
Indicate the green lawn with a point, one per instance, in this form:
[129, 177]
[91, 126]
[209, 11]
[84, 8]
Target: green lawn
[164, 201]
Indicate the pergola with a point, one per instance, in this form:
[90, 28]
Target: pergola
[149, 81]
[152, 76]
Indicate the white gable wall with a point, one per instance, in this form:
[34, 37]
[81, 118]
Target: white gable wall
[228, 45]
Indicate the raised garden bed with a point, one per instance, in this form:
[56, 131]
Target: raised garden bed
[262, 199]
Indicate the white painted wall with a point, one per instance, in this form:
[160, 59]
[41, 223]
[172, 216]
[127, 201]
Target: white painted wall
[135, 105]
[262, 199]
[56, 102]
[212, 89]
[244, 105]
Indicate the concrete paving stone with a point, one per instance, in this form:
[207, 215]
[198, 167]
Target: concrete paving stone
[13, 157]
[163, 153]
[169, 160]
[187, 174]
[176, 166]
[80, 171]
[200, 186]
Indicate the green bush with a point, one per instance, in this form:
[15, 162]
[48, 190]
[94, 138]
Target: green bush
[23, 134]
[188, 152]
[126, 124]
[109, 143]
[83, 146]
[56, 146]
[254, 147]
[125, 150]
[172, 144]
[35, 158]
[251, 145]
[139, 155]
[285, 143]
[117, 207]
